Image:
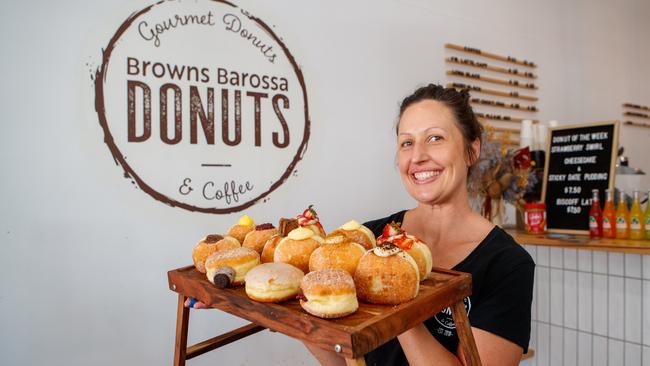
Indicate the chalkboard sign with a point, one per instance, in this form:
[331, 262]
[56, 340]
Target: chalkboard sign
[580, 158]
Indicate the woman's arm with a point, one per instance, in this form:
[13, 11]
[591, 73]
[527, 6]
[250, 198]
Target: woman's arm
[421, 348]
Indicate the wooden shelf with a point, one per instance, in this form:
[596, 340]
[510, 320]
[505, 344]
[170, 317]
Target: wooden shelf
[582, 242]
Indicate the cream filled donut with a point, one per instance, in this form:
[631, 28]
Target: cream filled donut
[357, 233]
[413, 246]
[258, 237]
[338, 252]
[297, 247]
[273, 282]
[211, 244]
[285, 227]
[244, 226]
[241, 260]
[387, 275]
[309, 219]
[329, 293]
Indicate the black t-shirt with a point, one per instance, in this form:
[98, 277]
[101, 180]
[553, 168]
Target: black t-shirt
[502, 292]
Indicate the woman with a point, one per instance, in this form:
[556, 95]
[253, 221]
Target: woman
[438, 140]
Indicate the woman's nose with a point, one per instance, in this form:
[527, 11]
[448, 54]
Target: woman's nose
[419, 153]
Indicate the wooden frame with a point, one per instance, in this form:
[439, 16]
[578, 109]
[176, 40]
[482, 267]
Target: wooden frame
[612, 167]
[351, 336]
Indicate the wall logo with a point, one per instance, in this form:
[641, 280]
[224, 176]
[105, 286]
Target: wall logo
[202, 105]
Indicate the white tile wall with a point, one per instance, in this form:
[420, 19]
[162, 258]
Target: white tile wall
[585, 301]
[557, 255]
[584, 349]
[590, 308]
[616, 353]
[543, 350]
[570, 347]
[599, 355]
[584, 260]
[557, 345]
[646, 313]
[633, 265]
[600, 304]
[632, 313]
[570, 258]
[543, 254]
[632, 354]
[646, 267]
[571, 299]
[599, 262]
[557, 295]
[616, 308]
[616, 264]
[543, 293]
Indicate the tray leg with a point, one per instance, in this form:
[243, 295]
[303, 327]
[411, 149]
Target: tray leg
[182, 320]
[466, 338]
[355, 361]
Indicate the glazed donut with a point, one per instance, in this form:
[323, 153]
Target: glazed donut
[258, 237]
[243, 227]
[387, 275]
[211, 244]
[329, 293]
[297, 247]
[357, 233]
[273, 282]
[241, 260]
[338, 252]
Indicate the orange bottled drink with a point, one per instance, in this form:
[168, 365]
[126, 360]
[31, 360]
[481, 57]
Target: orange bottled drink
[622, 217]
[595, 217]
[609, 215]
[637, 224]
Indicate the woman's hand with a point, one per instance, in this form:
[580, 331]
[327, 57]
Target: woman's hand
[193, 303]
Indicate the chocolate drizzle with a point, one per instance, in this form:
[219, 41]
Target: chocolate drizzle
[213, 238]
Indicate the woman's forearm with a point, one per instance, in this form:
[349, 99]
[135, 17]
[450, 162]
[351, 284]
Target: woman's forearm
[421, 348]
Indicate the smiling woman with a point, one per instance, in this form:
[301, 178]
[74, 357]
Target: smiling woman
[438, 140]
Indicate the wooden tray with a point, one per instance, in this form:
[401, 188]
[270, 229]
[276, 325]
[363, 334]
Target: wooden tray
[351, 336]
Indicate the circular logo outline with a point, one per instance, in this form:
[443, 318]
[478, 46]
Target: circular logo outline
[100, 76]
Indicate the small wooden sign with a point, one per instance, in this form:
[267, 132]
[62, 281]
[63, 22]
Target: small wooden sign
[579, 158]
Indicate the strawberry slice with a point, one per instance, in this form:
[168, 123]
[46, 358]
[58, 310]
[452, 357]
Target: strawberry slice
[392, 229]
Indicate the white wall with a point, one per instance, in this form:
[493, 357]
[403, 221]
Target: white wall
[84, 255]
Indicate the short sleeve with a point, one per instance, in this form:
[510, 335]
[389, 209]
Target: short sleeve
[505, 309]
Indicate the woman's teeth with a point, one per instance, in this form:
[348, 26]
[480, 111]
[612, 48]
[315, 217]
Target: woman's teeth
[426, 175]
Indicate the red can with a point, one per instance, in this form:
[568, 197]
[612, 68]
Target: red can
[535, 218]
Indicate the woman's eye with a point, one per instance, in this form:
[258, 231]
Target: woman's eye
[406, 143]
[434, 138]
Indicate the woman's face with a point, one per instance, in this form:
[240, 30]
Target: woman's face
[431, 153]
